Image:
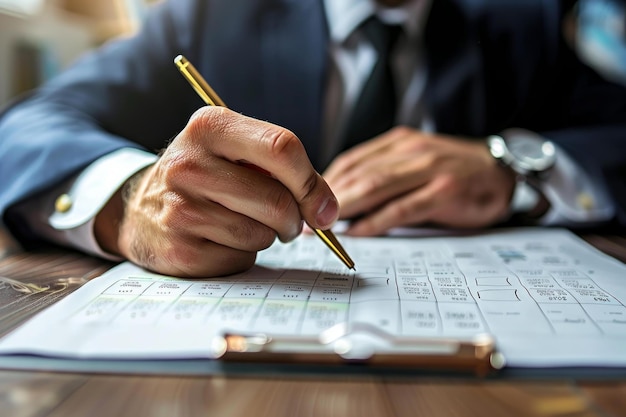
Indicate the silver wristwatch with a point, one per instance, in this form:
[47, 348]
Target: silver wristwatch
[526, 153]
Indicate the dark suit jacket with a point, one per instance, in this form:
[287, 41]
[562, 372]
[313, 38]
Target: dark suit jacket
[492, 64]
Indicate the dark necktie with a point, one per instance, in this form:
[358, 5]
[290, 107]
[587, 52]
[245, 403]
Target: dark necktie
[375, 109]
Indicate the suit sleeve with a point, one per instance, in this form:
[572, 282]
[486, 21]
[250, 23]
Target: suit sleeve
[126, 93]
[596, 111]
[576, 107]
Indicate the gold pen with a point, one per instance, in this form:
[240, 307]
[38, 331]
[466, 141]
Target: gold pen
[211, 98]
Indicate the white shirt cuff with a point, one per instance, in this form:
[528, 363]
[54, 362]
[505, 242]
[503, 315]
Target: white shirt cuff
[88, 194]
[525, 197]
[575, 197]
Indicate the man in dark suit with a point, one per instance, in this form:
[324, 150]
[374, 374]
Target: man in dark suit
[495, 118]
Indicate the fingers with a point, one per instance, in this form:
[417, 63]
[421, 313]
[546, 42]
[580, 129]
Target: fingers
[444, 201]
[201, 211]
[173, 234]
[366, 151]
[188, 257]
[381, 170]
[409, 210]
[273, 149]
[410, 178]
[222, 186]
[369, 188]
[193, 219]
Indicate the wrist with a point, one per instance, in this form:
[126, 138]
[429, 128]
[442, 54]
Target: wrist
[109, 220]
[107, 224]
[540, 208]
[527, 201]
[530, 158]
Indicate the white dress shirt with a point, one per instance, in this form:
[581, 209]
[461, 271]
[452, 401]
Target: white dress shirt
[573, 196]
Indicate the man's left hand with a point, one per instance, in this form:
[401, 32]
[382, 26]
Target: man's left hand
[406, 177]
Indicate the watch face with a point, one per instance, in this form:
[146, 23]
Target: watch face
[530, 153]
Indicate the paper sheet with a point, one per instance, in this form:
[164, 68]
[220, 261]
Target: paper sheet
[547, 297]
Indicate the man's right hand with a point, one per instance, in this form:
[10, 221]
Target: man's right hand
[202, 210]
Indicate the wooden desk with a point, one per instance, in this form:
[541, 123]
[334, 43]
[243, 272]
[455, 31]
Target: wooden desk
[31, 281]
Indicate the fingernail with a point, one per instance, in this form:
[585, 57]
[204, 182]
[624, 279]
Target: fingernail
[327, 213]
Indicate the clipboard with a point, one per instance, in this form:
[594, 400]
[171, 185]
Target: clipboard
[366, 345]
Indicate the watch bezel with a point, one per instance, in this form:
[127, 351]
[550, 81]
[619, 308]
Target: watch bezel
[499, 147]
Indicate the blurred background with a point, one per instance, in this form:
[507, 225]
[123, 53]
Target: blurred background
[38, 38]
[600, 36]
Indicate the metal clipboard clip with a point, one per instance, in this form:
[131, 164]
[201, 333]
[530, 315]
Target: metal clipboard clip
[365, 344]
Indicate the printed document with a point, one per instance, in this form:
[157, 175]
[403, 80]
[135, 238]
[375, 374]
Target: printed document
[547, 298]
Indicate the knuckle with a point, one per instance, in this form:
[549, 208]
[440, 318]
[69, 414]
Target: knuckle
[431, 160]
[208, 119]
[279, 142]
[281, 204]
[180, 170]
[374, 183]
[309, 187]
[208, 116]
[447, 185]
[342, 160]
[251, 235]
[417, 146]
[177, 213]
[243, 231]
[409, 140]
[401, 130]
[401, 211]
[176, 166]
